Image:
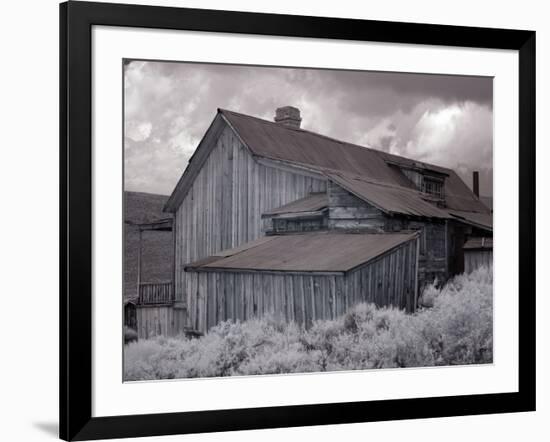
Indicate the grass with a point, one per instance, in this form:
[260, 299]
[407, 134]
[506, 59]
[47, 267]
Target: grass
[456, 330]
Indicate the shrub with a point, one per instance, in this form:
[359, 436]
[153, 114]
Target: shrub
[457, 329]
[130, 335]
[429, 293]
[461, 321]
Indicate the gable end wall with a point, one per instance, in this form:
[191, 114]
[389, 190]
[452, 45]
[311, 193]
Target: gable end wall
[223, 206]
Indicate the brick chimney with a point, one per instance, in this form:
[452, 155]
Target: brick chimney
[476, 183]
[288, 116]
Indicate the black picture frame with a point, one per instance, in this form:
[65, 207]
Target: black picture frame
[76, 21]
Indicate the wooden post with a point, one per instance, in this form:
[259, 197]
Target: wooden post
[446, 249]
[416, 274]
[173, 288]
[139, 266]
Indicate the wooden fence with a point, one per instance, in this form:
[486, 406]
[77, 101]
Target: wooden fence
[155, 293]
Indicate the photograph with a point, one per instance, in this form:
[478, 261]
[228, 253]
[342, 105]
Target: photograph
[287, 220]
[275, 221]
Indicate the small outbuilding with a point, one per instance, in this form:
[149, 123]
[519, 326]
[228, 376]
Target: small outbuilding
[303, 277]
[478, 252]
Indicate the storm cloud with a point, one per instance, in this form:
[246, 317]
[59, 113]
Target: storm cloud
[442, 119]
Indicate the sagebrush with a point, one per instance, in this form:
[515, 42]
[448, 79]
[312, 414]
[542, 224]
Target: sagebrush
[457, 328]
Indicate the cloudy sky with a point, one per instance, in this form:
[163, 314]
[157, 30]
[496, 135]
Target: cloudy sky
[441, 119]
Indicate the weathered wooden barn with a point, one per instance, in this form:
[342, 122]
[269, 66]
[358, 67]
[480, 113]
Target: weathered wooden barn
[269, 217]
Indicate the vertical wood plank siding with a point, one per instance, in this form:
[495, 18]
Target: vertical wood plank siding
[474, 259]
[159, 320]
[304, 298]
[223, 208]
[434, 251]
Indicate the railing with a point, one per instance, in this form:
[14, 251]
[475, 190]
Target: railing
[155, 293]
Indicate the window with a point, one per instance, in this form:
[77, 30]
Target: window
[433, 186]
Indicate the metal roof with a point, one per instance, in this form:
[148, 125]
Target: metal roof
[305, 252]
[311, 203]
[275, 141]
[458, 196]
[413, 164]
[479, 244]
[386, 197]
[488, 201]
[482, 220]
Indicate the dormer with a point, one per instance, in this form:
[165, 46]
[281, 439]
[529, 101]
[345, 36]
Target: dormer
[432, 185]
[428, 180]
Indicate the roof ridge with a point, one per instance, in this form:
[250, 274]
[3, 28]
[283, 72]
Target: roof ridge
[327, 137]
[297, 129]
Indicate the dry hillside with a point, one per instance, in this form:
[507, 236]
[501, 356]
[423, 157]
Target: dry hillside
[157, 250]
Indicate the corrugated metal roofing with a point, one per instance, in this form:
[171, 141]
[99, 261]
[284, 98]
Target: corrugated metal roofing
[279, 142]
[229, 252]
[388, 198]
[311, 203]
[458, 195]
[483, 220]
[413, 164]
[309, 252]
[276, 141]
[479, 244]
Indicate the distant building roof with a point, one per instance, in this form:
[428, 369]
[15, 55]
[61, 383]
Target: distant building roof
[306, 252]
[478, 244]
